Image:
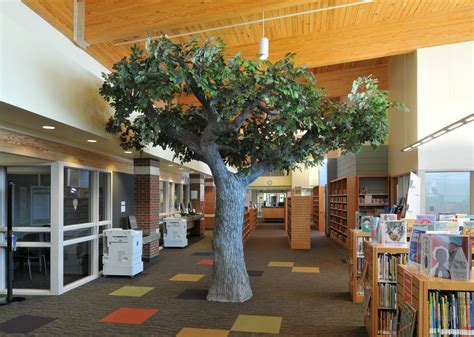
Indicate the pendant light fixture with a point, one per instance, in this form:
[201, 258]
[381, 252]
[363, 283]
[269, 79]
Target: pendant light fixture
[264, 43]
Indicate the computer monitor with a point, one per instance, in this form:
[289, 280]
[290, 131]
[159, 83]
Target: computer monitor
[132, 222]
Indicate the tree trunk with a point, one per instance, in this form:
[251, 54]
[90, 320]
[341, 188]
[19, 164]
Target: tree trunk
[230, 281]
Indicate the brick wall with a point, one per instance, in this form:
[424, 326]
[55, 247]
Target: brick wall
[147, 200]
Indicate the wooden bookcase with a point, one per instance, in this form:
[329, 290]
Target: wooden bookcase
[253, 218]
[245, 226]
[346, 196]
[372, 283]
[356, 264]
[318, 208]
[298, 221]
[342, 207]
[413, 288]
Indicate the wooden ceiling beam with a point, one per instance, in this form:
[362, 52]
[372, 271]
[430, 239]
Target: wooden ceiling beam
[111, 20]
[378, 39]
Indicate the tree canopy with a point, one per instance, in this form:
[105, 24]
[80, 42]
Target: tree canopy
[254, 115]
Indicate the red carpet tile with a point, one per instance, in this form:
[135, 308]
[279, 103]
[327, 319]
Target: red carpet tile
[129, 316]
[207, 262]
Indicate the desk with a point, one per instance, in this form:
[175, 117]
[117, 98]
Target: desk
[273, 213]
[195, 224]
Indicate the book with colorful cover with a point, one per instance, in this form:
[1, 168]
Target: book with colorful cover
[395, 232]
[446, 216]
[388, 216]
[446, 256]
[414, 254]
[375, 231]
[410, 224]
[366, 223]
[451, 226]
[425, 219]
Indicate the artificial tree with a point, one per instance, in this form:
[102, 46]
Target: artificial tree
[253, 116]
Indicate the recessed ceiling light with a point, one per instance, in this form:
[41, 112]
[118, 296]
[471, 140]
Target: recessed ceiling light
[426, 140]
[455, 126]
[127, 152]
[439, 133]
[49, 127]
[470, 119]
[92, 140]
[170, 165]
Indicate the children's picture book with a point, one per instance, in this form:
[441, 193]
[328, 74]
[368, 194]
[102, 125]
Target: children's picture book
[376, 230]
[414, 254]
[388, 216]
[446, 216]
[459, 257]
[410, 224]
[451, 226]
[365, 223]
[435, 255]
[446, 256]
[406, 327]
[424, 219]
[395, 232]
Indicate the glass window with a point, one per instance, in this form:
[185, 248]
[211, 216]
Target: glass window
[170, 197]
[104, 179]
[31, 196]
[77, 196]
[77, 261]
[447, 192]
[31, 268]
[162, 197]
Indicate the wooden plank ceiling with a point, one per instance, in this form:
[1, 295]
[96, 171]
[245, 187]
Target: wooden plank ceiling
[331, 41]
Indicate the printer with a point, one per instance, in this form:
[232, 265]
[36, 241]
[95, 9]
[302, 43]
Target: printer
[175, 231]
[122, 252]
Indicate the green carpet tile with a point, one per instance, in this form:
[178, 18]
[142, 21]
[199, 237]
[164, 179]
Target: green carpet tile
[310, 304]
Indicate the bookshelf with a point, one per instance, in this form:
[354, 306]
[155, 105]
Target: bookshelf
[318, 208]
[342, 207]
[245, 226]
[367, 195]
[380, 283]
[253, 218]
[298, 221]
[356, 264]
[414, 288]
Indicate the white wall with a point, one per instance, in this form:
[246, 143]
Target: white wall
[43, 72]
[446, 94]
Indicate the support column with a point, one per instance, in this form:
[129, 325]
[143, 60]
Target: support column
[147, 203]
[197, 197]
[209, 202]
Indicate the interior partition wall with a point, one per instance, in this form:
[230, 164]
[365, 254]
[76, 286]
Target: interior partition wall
[60, 212]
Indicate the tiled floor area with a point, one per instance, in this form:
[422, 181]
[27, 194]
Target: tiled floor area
[296, 293]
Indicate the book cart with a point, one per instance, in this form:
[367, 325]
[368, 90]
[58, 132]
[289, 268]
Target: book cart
[380, 284]
[414, 288]
[298, 221]
[356, 263]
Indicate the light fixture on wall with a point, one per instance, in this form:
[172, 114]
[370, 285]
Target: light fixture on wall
[264, 43]
[440, 132]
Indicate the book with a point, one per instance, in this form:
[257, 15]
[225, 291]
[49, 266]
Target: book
[468, 229]
[459, 257]
[450, 226]
[414, 254]
[406, 327]
[446, 256]
[395, 232]
[446, 216]
[410, 224]
[450, 313]
[388, 216]
[366, 223]
[424, 219]
[375, 231]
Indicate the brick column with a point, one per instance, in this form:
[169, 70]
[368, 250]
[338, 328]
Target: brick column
[209, 202]
[147, 203]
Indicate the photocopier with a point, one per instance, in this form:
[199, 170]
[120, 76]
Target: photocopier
[175, 231]
[122, 252]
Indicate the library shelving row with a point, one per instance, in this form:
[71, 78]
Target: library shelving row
[380, 281]
[367, 195]
[298, 221]
[253, 218]
[421, 291]
[246, 226]
[318, 208]
[356, 263]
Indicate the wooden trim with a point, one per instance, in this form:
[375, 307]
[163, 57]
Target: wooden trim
[25, 145]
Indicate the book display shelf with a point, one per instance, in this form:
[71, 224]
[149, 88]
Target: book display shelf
[367, 195]
[380, 287]
[356, 263]
[246, 226]
[318, 208]
[423, 292]
[298, 221]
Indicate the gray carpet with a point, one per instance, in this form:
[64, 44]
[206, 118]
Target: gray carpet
[309, 304]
